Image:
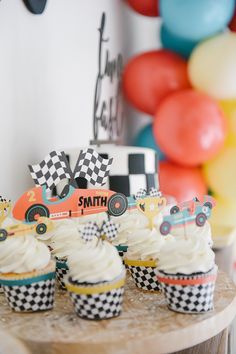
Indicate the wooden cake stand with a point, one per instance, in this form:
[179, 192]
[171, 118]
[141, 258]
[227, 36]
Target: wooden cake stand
[145, 326]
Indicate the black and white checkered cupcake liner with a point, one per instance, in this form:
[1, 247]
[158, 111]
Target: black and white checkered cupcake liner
[30, 294]
[189, 293]
[97, 301]
[144, 274]
[122, 251]
[62, 272]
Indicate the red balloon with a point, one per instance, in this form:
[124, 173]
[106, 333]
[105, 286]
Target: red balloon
[145, 7]
[151, 76]
[189, 127]
[183, 183]
[232, 24]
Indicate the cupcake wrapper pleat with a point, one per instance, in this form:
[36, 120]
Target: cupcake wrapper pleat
[62, 272]
[194, 298]
[144, 277]
[37, 296]
[98, 306]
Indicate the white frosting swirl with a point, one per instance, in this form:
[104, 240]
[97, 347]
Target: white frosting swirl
[186, 256]
[192, 230]
[145, 244]
[64, 238]
[95, 262]
[20, 254]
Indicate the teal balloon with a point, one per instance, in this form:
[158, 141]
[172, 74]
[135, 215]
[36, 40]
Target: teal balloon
[145, 138]
[196, 19]
[178, 45]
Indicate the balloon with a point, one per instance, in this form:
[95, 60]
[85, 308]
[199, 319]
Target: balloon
[229, 109]
[145, 138]
[184, 183]
[150, 76]
[232, 24]
[212, 66]
[146, 8]
[189, 127]
[196, 19]
[220, 173]
[178, 45]
[224, 212]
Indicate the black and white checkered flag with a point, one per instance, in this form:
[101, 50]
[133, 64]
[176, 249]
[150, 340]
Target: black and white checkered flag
[51, 170]
[90, 231]
[153, 192]
[110, 229]
[92, 167]
[141, 193]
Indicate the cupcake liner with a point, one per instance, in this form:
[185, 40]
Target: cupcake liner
[62, 271]
[143, 274]
[97, 301]
[29, 294]
[122, 251]
[189, 293]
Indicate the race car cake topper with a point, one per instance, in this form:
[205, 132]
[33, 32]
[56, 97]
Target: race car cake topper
[73, 201]
[193, 211]
[150, 204]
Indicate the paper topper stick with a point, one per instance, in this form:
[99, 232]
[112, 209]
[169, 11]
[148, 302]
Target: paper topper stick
[91, 230]
[151, 205]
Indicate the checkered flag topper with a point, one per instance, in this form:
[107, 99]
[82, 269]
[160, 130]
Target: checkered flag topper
[91, 230]
[92, 167]
[51, 170]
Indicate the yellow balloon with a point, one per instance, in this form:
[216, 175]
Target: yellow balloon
[220, 173]
[212, 66]
[223, 214]
[229, 109]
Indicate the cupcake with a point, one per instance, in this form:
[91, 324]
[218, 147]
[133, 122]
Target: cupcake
[128, 222]
[62, 240]
[187, 274]
[27, 274]
[96, 279]
[141, 259]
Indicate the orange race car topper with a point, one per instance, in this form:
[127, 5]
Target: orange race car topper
[73, 201]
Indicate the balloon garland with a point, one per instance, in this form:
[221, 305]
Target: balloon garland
[189, 89]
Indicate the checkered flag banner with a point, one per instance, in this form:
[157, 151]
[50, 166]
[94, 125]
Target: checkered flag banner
[90, 231]
[153, 192]
[110, 229]
[92, 167]
[142, 193]
[51, 170]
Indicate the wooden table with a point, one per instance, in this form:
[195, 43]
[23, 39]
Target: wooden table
[145, 326]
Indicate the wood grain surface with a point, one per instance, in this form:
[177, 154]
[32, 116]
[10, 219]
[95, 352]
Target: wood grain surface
[145, 326]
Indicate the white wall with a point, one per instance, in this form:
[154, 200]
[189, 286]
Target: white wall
[48, 68]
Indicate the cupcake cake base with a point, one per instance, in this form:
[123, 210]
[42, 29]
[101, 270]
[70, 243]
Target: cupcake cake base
[192, 293]
[30, 292]
[97, 301]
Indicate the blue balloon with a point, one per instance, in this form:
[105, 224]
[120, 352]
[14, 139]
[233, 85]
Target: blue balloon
[145, 138]
[178, 45]
[196, 19]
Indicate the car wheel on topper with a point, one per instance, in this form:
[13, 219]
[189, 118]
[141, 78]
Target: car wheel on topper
[35, 211]
[165, 228]
[174, 210]
[208, 204]
[201, 219]
[3, 234]
[41, 228]
[117, 204]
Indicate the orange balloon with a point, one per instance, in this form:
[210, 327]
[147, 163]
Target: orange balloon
[189, 127]
[146, 8]
[151, 76]
[183, 183]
